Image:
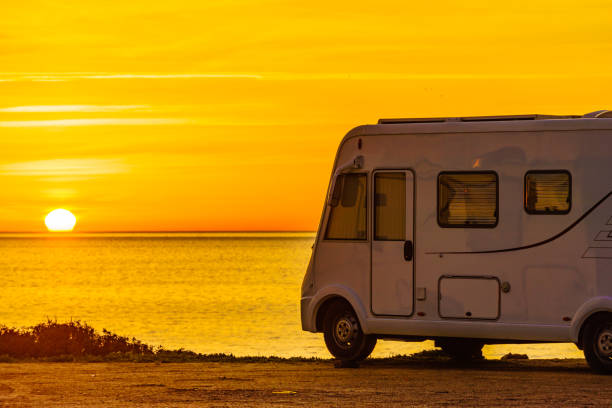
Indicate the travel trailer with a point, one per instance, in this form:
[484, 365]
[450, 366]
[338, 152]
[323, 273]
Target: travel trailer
[467, 231]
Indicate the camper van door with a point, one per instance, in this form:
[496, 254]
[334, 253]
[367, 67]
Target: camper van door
[392, 243]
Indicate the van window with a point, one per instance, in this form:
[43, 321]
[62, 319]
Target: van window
[347, 218]
[390, 206]
[548, 192]
[468, 199]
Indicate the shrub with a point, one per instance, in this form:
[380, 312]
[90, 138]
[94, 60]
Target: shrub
[51, 339]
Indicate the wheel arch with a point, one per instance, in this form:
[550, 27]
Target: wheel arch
[338, 293]
[591, 309]
[596, 315]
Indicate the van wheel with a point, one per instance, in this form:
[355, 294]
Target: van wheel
[462, 350]
[598, 344]
[343, 335]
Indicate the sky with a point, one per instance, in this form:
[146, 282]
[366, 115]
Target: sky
[225, 116]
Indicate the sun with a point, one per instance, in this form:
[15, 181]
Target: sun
[60, 220]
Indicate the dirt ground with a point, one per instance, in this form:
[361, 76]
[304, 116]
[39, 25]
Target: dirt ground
[551, 383]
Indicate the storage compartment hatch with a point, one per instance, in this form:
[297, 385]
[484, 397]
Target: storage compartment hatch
[469, 297]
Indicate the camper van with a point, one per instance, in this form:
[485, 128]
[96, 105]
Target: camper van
[467, 231]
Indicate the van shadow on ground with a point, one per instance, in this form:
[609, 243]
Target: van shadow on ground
[446, 363]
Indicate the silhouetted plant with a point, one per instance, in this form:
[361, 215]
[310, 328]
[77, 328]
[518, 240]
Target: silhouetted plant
[16, 343]
[76, 341]
[65, 339]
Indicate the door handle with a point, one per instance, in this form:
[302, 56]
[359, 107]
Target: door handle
[408, 251]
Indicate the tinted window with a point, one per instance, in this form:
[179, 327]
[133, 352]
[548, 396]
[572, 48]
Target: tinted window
[467, 199]
[548, 192]
[390, 206]
[347, 218]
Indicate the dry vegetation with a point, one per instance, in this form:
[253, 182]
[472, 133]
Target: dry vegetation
[79, 342]
[52, 339]
[76, 341]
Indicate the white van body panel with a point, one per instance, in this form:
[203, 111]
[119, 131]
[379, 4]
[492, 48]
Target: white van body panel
[468, 329]
[557, 268]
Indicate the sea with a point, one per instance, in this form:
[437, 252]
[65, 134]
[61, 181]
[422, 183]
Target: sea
[233, 293]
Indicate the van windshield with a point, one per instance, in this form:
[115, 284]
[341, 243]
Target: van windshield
[347, 218]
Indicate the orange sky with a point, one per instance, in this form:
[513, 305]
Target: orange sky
[147, 115]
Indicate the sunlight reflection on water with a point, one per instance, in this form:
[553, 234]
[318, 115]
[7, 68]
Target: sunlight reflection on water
[211, 293]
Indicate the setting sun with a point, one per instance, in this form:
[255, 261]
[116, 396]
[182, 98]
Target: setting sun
[60, 220]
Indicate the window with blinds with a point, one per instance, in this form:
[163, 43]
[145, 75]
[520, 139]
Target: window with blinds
[468, 199]
[548, 192]
[390, 206]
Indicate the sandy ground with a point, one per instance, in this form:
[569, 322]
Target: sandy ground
[490, 383]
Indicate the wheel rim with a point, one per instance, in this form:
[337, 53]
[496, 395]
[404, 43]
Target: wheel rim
[604, 343]
[346, 331]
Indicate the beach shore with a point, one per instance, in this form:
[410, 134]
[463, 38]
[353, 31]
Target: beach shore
[551, 383]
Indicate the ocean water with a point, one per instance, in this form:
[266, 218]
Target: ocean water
[207, 292]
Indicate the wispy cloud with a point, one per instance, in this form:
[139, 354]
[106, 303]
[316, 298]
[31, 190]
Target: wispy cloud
[226, 122]
[286, 76]
[76, 108]
[48, 80]
[169, 76]
[96, 122]
[60, 193]
[51, 77]
[64, 167]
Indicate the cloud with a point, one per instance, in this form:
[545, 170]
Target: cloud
[96, 122]
[291, 76]
[64, 167]
[211, 121]
[52, 76]
[75, 108]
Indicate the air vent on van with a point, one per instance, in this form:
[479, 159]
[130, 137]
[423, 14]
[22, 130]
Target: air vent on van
[476, 118]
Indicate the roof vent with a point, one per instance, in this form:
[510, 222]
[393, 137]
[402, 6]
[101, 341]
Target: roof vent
[599, 114]
[411, 120]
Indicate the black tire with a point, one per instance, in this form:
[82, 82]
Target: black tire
[462, 350]
[597, 343]
[343, 335]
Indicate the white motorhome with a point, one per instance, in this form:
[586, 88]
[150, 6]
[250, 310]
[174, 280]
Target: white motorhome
[467, 231]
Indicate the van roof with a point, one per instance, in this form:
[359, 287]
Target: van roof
[596, 114]
[485, 124]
